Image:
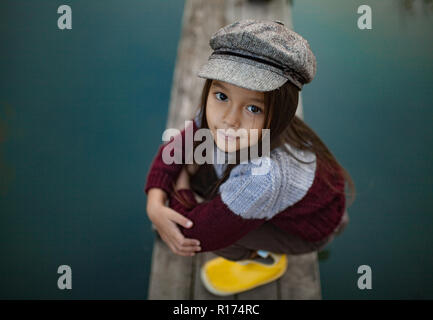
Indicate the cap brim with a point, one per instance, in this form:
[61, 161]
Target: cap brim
[240, 74]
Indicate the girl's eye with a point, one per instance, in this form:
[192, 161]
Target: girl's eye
[223, 95]
[255, 109]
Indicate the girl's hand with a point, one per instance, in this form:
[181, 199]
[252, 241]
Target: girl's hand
[165, 221]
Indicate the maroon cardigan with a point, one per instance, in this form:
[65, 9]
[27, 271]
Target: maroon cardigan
[312, 218]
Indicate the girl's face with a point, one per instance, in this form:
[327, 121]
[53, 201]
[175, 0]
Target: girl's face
[236, 111]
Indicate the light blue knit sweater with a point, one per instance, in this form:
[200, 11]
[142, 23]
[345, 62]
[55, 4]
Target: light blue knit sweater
[263, 196]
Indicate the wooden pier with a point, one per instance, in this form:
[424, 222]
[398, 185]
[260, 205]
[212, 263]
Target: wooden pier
[175, 277]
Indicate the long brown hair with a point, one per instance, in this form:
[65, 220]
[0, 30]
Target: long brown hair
[285, 127]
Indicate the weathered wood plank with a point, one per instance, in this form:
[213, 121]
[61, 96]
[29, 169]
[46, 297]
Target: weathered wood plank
[176, 277]
[266, 292]
[301, 280]
[200, 20]
[170, 275]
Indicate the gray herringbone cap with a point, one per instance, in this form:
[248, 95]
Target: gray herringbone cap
[259, 55]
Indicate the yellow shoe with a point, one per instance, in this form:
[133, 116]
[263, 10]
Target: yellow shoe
[223, 277]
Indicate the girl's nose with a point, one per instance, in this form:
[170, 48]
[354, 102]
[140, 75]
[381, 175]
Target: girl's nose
[232, 117]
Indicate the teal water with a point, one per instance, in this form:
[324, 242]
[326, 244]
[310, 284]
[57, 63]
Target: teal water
[371, 102]
[81, 116]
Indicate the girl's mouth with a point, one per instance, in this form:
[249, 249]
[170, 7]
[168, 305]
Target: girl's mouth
[226, 137]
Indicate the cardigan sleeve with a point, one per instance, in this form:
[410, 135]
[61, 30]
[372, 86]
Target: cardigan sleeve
[215, 225]
[243, 204]
[253, 190]
[162, 175]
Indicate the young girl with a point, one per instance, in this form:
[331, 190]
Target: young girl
[253, 79]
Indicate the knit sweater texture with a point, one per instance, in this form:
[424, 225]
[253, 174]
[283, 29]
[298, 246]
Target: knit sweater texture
[291, 195]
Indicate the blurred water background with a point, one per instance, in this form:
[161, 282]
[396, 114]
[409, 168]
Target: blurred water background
[81, 117]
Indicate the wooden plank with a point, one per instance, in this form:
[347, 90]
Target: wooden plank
[268, 10]
[176, 277]
[170, 275]
[201, 19]
[266, 292]
[301, 280]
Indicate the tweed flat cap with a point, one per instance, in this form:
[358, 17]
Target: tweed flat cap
[259, 55]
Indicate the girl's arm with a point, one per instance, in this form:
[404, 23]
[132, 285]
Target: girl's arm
[233, 213]
[162, 175]
[215, 225]
[166, 220]
[159, 184]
